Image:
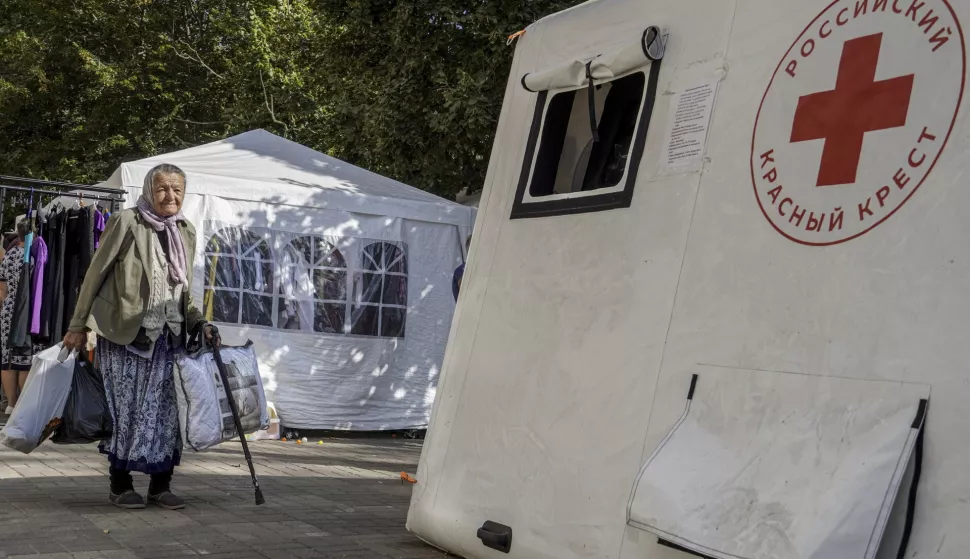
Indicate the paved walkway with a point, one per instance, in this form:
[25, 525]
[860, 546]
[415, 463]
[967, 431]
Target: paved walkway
[342, 499]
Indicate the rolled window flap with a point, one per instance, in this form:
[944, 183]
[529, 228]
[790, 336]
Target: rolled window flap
[648, 47]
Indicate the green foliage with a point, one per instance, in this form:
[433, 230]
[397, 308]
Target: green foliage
[411, 89]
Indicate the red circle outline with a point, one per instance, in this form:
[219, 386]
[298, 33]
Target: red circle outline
[754, 132]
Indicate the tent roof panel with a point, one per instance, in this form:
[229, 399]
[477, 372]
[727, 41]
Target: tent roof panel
[261, 166]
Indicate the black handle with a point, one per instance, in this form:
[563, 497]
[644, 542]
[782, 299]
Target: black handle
[496, 536]
[679, 548]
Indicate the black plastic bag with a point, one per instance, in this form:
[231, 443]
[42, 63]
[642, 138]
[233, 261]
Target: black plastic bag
[86, 417]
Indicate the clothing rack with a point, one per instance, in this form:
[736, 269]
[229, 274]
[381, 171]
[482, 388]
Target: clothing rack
[58, 193]
[53, 260]
[59, 189]
[63, 185]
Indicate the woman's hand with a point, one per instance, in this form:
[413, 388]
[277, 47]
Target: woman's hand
[75, 340]
[212, 335]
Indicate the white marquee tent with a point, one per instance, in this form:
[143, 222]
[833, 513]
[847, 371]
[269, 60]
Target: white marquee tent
[341, 277]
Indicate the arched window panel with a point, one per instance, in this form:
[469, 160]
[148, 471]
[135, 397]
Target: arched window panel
[256, 261]
[329, 318]
[385, 257]
[222, 242]
[300, 250]
[239, 273]
[223, 271]
[381, 291]
[221, 306]
[257, 310]
[305, 283]
[254, 246]
[313, 286]
[326, 254]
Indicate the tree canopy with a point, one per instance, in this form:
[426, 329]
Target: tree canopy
[410, 89]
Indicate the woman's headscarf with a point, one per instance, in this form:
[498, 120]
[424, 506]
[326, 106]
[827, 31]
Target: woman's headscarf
[177, 265]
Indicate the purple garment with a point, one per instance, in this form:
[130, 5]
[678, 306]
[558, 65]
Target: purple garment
[39, 252]
[99, 224]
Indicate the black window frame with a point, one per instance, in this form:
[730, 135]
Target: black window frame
[587, 203]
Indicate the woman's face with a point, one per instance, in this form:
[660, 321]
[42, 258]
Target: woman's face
[168, 189]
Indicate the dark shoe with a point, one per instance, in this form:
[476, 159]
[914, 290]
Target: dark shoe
[127, 500]
[167, 500]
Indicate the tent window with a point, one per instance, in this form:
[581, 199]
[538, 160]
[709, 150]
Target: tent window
[569, 169]
[239, 278]
[381, 291]
[306, 283]
[313, 286]
[569, 159]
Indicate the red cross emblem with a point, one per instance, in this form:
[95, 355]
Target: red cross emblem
[857, 105]
[865, 98]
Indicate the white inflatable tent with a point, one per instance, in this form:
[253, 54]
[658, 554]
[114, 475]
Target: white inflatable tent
[719, 328]
[339, 276]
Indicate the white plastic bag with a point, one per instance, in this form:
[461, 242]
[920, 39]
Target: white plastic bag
[271, 434]
[205, 418]
[41, 404]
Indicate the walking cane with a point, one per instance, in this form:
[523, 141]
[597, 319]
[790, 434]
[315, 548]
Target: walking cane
[216, 344]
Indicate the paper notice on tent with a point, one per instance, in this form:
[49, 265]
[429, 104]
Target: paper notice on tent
[686, 136]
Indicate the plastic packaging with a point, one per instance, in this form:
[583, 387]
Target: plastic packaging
[205, 418]
[41, 405]
[86, 418]
[271, 434]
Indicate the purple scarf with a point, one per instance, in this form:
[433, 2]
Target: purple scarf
[176, 249]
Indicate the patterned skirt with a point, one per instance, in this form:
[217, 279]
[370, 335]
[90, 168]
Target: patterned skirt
[141, 397]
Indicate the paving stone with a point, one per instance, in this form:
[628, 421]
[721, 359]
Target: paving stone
[341, 500]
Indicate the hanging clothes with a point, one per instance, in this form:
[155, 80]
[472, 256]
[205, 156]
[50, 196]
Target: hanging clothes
[10, 273]
[99, 225]
[51, 238]
[39, 256]
[78, 251]
[19, 342]
[89, 237]
[59, 318]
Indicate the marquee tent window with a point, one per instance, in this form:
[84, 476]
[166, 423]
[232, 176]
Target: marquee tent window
[307, 283]
[239, 278]
[381, 291]
[313, 286]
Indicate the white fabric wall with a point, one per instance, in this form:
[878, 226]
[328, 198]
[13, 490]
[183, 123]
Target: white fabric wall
[327, 381]
[576, 335]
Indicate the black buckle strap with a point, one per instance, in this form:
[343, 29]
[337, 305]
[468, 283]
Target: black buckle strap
[591, 93]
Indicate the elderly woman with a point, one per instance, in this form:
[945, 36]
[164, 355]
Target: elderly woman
[136, 298]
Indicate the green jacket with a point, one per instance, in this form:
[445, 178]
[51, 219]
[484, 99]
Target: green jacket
[114, 296]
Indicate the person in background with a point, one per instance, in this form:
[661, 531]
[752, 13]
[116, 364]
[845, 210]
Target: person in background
[15, 367]
[460, 271]
[7, 241]
[135, 297]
